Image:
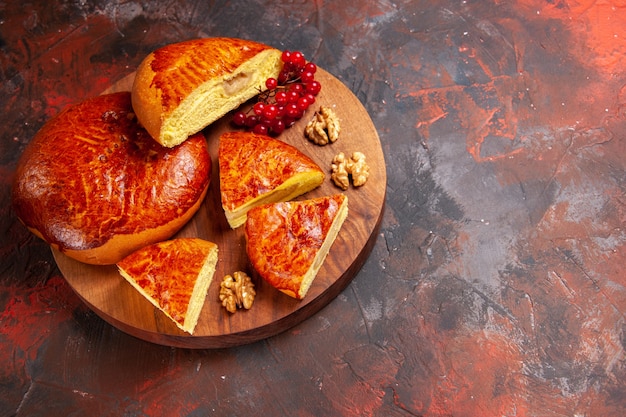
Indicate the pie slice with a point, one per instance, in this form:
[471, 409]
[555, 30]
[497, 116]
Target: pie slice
[181, 88]
[287, 242]
[257, 169]
[174, 275]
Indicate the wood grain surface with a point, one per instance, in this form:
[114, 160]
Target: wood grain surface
[113, 299]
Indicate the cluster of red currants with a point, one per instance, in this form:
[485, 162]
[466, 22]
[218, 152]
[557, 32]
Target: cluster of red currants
[286, 99]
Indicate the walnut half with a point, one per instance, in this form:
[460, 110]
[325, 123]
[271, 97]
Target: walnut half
[358, 169]
[324, 127]
[339, 172]
[237, 291]
[342, 169]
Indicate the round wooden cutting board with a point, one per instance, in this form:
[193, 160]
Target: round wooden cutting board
[104, 290]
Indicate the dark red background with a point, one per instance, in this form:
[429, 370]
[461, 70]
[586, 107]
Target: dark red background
[495, 287]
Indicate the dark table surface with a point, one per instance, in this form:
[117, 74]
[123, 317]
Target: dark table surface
[496, 283]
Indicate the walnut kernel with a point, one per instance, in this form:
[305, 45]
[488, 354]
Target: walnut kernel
[358, 169]
[237, 291]
[324, 127]
[342, 169]
[339, 172]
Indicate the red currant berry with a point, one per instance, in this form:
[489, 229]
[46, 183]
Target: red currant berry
[280, 97]
[286, 56]
[292, 96]
[239, 118]
[310, 97]
[313, 87]
[307, 77]
[310, 67]
[271, 83]
[297, 87]
[278, 127]
[258, 108]
[297, 59]
[252, 121]
[303, 104]
[260, 129]
[270, 111]
[283, 76]
[292, 111]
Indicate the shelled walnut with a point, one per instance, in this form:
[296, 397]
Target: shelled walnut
[339, 172]
[324, 127]
[342, 169]
[237, 291]
[359, 170]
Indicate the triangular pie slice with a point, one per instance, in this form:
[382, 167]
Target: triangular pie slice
[257, 169]
[174, 275]
[287, 242]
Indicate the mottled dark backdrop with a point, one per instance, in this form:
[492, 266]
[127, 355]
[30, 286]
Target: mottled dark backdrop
[496, 285]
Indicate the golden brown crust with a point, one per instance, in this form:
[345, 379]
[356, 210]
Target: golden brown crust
[121, 245]
[94, 184]
[284, 239]
[252, 165]
[169, 75]
[167, 273]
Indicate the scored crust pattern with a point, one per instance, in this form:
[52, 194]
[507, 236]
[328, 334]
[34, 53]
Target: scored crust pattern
[93, 173]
